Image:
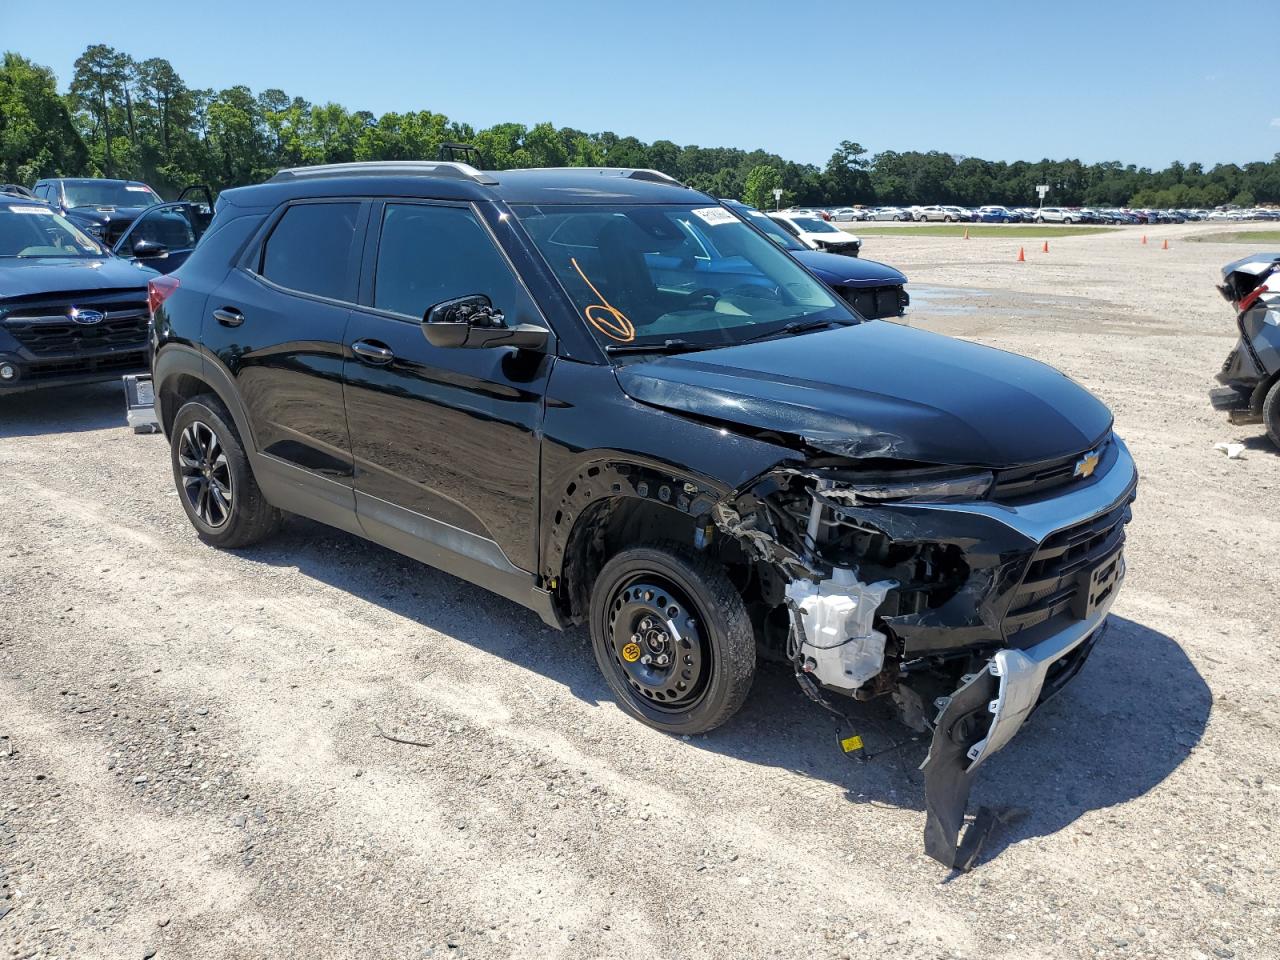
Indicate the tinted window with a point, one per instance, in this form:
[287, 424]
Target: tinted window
[169, 228]
[428, 254]
[310, 249]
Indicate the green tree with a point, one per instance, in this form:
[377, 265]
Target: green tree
[98, 88]
[37, 137]
[140, 119]
[847, 176]
[760, 184]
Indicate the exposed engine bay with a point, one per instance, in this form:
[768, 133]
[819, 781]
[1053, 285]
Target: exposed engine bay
[967, 597]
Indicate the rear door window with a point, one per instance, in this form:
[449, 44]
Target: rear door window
[311, 250]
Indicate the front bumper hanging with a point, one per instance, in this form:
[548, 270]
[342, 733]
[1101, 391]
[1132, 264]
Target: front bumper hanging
[980, 718]
[991, 705]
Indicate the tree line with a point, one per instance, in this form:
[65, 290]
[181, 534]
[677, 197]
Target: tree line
[134, 119]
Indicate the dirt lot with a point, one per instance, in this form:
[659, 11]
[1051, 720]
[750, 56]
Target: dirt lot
[193, 765]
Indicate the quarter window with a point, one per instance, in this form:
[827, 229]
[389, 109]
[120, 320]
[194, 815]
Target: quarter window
[428, 254]
[311, 247]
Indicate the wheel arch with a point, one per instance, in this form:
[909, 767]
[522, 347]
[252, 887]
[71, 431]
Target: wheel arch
[608, 502]
[180, 373]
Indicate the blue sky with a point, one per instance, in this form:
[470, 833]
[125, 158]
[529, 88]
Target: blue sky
[1145, 83]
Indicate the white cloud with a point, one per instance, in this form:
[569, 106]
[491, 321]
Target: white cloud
[1275, 121]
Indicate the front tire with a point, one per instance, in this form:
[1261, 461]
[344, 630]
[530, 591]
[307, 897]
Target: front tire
[672, 637]
[215, 483]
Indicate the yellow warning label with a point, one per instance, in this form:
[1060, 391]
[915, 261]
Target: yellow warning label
[631, 652]
[850, 744]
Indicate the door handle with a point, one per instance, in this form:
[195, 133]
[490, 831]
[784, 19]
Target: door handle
[228, 316]
[372, 352]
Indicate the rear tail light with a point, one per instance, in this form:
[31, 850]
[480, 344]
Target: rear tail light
[159, 289]
[1250, 298]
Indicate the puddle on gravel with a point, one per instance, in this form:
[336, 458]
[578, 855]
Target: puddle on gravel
[945, 300]
[966, 301]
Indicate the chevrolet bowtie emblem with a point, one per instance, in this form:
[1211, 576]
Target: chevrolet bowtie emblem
[1087, 464]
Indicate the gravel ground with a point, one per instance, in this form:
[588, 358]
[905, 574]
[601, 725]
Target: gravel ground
[191, 762]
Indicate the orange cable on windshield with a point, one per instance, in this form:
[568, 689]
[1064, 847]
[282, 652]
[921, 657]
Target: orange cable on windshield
[614, 324]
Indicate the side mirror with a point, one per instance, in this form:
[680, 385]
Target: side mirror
[149, 249]
[474, 323]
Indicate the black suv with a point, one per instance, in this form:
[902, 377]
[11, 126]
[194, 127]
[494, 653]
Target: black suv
[101, 208]
[605, 396]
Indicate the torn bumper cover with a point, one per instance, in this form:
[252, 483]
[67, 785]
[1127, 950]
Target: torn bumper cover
[968, 595]
[982, 716]
[992, 703]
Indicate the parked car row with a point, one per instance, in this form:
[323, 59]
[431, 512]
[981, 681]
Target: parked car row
[951, 213]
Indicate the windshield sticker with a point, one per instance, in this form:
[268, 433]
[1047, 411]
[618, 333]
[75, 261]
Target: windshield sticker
[138, 189]
[604, 316]
[714, 215]
[44, 210]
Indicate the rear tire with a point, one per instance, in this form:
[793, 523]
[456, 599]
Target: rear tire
[664, 601]
[1271, 413]
[215, 483]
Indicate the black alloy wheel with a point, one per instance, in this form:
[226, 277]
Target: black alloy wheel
[206, 474]
[216, 485]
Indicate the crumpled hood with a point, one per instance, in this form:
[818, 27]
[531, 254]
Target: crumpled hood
[841, 271]
[49, 275]
[878, 389]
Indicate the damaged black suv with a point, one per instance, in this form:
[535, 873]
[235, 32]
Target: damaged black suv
[607, 397]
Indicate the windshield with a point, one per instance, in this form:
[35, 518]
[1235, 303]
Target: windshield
[647, 274]
[814, 225]
[109, 193]
[36, 231]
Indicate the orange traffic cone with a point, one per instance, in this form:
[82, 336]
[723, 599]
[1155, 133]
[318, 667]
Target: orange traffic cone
[966, 233]
[1165, 245]
[1046, 246]
[1022, 255]
[1144, 239]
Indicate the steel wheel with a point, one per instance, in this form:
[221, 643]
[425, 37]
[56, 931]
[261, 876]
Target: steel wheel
[657, 642]
[206, 474]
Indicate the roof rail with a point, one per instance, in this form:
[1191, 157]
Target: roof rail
[387, 168]
[631, 173]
